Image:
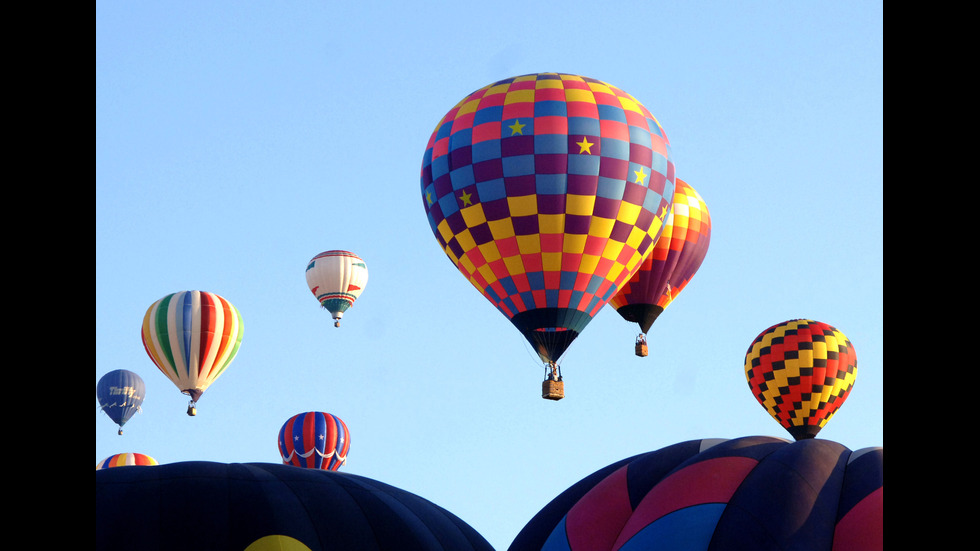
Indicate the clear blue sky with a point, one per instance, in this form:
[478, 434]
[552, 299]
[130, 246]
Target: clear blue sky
[234, 141]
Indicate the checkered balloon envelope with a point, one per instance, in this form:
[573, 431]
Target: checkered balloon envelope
[546, 191]
[801, 371]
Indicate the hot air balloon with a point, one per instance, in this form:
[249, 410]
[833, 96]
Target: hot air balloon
[251, 506]
[314, 440]
[126, 460]
[336, 279]
[192, 337]
[754, 493]
[801, 371]
[667, 270]
[546, 191]
[120, 394]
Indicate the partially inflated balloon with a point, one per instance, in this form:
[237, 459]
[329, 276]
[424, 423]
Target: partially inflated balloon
[192, 337]
[336, 279]
[125, 460]
[667, 270]
[210, 506]
[755, 493]
[801, 371]
[546, 191]
[314, 440]
[120, 394]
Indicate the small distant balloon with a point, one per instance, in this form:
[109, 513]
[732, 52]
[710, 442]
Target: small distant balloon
[801, 371]
[336, 279]
[314, 440]
[192, 337]
[126, 460]
[120, 394]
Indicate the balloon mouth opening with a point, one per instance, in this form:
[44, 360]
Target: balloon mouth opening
[550, 331]
[643, 315]
[803, 432]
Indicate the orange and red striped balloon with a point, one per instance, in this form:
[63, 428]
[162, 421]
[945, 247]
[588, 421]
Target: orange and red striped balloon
[675, 259]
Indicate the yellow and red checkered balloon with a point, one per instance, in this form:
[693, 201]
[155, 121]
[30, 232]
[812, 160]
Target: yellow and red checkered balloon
[546, 191]
[801, 371]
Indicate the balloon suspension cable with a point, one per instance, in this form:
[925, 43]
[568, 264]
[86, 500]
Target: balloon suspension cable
[641, 338]
[552, 371]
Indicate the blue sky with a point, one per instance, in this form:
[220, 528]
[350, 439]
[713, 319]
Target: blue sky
[236, 141]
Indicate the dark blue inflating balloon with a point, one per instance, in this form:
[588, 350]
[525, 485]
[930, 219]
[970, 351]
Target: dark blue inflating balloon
[754, 493]
[120, 394]
[238, 506]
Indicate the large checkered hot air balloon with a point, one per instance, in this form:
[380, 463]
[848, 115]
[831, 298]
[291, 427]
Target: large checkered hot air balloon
[801, 371]
[546, 191]
[668, 269]
[192, 337]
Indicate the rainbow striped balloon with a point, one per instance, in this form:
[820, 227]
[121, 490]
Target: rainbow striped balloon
[125, 460]
[192, 337]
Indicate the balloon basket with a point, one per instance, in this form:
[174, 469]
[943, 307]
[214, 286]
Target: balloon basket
[552, 389]
[642, 350]
[191, 410]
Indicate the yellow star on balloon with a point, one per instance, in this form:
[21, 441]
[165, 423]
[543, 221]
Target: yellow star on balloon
[584, 146]
[466, 199]
[517, 128]
[428, 197]
[640, 175]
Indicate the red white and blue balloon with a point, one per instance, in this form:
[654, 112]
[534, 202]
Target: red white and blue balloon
[314, 440]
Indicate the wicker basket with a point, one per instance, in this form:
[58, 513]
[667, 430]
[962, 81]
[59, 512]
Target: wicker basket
[641, 349]
[552, 390]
